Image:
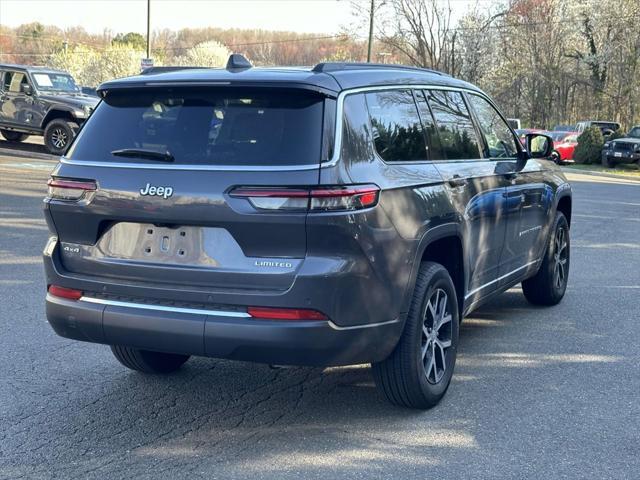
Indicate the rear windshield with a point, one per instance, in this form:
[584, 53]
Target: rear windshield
[609, 125]
[206, 127]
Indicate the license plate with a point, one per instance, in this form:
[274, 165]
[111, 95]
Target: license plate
[617, 154]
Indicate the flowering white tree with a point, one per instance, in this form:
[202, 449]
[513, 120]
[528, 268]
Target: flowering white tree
[206, 54]
[91, 67]
[74, 61]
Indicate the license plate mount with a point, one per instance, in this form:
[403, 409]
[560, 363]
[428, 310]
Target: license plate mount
[173, 244]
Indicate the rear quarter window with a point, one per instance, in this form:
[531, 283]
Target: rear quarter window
[206, 127]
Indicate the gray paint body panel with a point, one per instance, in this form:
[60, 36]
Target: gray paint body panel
[357, 267]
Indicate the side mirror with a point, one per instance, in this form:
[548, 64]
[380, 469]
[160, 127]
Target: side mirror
[539, 145]
[26, 89]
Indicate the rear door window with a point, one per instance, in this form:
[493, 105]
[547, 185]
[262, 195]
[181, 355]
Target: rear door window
[227, 126]
[397, 131]
[456, 132]
[434, 148]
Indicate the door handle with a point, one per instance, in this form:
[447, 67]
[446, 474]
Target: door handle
[457, 181]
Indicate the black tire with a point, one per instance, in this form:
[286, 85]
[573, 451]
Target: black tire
[14, 136]
[407, 376]
[58, 135]
[147, 361]
[555, 156]
[548, 285]
[606, 162]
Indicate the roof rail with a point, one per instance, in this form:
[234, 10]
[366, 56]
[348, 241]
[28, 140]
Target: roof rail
[326, 67]
[174, 68]
[238, 62]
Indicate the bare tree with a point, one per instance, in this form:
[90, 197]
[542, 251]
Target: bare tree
[421, 30]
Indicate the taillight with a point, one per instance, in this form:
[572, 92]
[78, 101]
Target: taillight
[274, 198]
[62, 292]
[347, 198]
[354, 197]
[64, 189]
[269, 313]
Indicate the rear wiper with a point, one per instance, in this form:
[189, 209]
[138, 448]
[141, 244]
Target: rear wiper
[143, 153]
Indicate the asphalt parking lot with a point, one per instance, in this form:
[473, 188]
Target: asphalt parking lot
[537, 393]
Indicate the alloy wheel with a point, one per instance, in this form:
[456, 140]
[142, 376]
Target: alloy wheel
[436, 336]
[59, 138]
[560, 258]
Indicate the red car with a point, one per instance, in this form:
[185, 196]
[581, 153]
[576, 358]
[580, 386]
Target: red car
[522, 132]
[564, 143]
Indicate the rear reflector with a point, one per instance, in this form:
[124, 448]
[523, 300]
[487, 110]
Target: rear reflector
[269, 313]
[64, 189]
[353, 197]
[62, 292]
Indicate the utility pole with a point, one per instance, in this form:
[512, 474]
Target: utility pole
[370, 30]
[148, 28]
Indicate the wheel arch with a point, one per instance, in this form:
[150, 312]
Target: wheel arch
[564, 205]
[57, 113]
[442, 244]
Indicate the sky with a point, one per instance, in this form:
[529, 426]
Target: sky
[314, 16]
[121, 16]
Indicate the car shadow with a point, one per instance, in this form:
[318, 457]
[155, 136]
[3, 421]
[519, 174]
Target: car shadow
[228, 411]
[25, 149]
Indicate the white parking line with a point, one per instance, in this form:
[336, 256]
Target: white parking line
[48, 166]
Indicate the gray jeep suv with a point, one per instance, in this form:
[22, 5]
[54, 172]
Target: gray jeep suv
[42, 101]
[344, 214]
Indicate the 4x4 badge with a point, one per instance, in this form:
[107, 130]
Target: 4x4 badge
[165, 192]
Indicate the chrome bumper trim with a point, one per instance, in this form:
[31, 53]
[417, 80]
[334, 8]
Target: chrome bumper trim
[164, 308]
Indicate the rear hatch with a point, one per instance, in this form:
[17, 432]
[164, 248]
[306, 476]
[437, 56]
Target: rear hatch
[165, 163]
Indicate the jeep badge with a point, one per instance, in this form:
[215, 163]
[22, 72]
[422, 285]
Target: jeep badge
[164, 192]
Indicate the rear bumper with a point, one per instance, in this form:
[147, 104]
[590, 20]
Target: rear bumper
[346, 288]
[221, 334]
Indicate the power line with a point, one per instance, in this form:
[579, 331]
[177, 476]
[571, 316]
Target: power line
[51, 37]
[266, 42]
[103, 46]
[292, 40]
[263, 42]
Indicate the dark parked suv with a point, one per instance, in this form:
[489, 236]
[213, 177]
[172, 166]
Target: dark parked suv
[41, 101]
[622, 150]
[345, 214]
